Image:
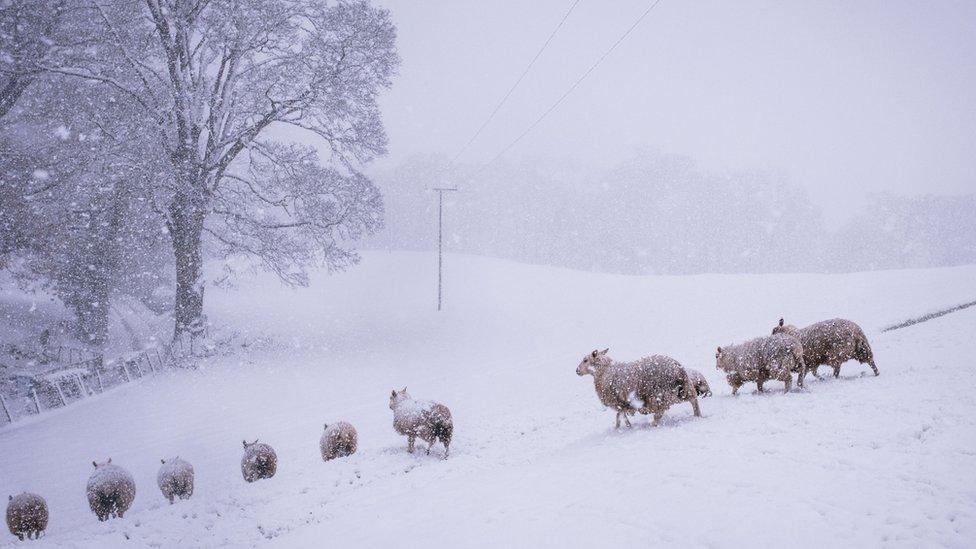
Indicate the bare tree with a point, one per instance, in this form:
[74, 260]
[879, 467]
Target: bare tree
[209, 79]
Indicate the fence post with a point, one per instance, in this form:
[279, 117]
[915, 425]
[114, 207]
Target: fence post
[84, 390]
[57, 385]
[98, 375]
[6, 411]
[37, 403]
[149, 360]
[125, 370]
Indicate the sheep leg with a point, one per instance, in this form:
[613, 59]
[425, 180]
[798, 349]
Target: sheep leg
[657, 419]
[695, 407]
[431, 445]
[813, 370]
[759, 384]
[617, 426]
[788, 382]
[410, 440]
[627, 419]
[874, 367]
[836, 368]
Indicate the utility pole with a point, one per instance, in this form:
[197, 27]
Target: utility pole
[440, 240]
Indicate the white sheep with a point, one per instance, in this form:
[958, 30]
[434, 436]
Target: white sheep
[649, 385]
[338, 440]
[430, 421]
[111, 490]
[175, 479]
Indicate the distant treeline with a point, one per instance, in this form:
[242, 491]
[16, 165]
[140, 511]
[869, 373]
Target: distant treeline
[661, 214]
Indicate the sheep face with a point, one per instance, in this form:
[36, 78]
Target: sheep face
[396, 397]
[592, 361]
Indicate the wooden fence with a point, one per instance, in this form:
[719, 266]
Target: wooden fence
[80, 374]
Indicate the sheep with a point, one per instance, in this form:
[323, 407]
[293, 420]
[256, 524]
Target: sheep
[111, 490]
[175, 479]
[338, 440]
[259, 461]
[761, 359]
[701, 384]
[831, 342]
[649, 385]
[27, 515]
[431, 421]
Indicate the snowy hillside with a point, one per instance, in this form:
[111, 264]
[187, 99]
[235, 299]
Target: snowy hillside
[535, 461]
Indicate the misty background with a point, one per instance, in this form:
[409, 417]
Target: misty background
[717, 137]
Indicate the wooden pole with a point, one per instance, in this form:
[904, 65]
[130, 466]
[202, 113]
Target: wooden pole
[57, 385]
[98, 375]
[37, 403]
[125, 371]
[440, 241]
[6, 411]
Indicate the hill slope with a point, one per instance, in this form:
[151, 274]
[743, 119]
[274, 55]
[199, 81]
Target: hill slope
[535, 459]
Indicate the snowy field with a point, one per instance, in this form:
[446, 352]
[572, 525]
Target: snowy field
[857, 461]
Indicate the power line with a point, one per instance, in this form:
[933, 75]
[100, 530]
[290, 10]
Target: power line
[574, 86]
[517, 82]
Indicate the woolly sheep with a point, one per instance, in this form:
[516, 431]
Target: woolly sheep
[27, 515]
[175, 479]
[761, 359]
[111, 490]
[831, 342]
[259, 461]
[700, 383]
[430, 421]
[649, 385]
[338, 440]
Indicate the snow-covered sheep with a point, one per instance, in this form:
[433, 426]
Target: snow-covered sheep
[259, 461]
[175, 479]
[762, 359]
[338, 440]
[649, 385]
[430, 421]
[111, 490]
[27, 515]
[700, 383]
[831, 342]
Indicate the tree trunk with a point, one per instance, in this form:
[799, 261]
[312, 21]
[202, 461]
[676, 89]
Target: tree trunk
[186, 229]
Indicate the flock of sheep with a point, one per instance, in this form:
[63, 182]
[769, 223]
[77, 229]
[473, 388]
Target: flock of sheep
[653, 384]
[648, 386]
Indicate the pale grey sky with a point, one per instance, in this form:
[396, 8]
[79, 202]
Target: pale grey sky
[843, 97]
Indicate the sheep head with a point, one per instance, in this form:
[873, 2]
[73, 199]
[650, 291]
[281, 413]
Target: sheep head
[592, 361]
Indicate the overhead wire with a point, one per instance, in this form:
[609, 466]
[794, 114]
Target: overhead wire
[573, 86]
[521, 77]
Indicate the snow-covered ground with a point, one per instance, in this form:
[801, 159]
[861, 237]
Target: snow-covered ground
[535, 461]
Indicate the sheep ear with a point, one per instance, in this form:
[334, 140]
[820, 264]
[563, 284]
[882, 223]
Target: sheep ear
[244, 442]
[594, 353]
[109, 460]
[605, 351]
[404, 389]
[781, 322]
[393, 394]
[326, 426]
[163, 461]
[719, 350]
[10, 498]
[95, 464]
